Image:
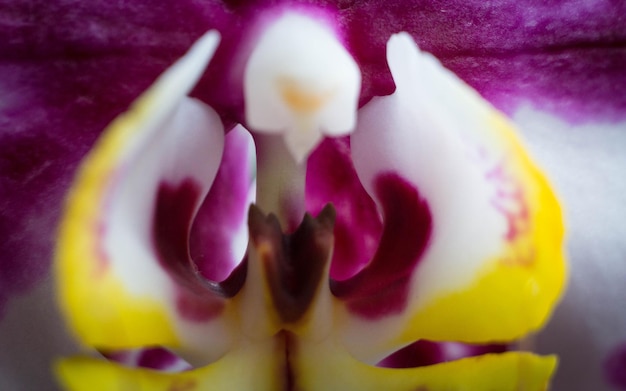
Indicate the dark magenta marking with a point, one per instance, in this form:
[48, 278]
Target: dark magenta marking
[197, 299]
[172, 222]
[294, 265]
[382, 287]
[423, 353]
[157, 358]
[615, 367]
[154, 358]
[331, 177]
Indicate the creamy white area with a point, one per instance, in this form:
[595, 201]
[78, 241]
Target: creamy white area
[587, 166]
[300, 81]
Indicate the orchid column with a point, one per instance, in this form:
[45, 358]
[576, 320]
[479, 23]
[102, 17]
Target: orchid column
[301, 83]
[462, 241]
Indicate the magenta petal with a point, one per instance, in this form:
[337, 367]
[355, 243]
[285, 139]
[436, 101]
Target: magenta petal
[32, 29]
[67, 69]
[331, 178]
[48, 122]
[578, 84]
[567, 57]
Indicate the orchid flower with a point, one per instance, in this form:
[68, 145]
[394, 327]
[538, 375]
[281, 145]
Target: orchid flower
[323, 310]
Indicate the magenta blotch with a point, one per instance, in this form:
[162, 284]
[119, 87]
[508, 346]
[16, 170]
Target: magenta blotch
[175, 206]
[381, 288]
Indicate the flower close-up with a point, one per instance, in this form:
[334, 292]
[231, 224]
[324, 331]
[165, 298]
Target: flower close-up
[285, 195]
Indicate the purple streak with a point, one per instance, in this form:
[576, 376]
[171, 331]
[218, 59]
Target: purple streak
[423, 353]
